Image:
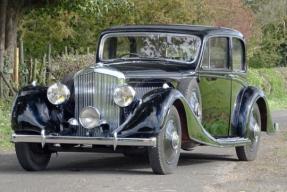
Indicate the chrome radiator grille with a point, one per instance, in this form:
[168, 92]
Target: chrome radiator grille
[96, 89]
[141, 91]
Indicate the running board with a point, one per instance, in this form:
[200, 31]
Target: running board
[233, 141]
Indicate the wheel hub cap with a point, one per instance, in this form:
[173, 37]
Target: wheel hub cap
[255, 130]
[174, 140]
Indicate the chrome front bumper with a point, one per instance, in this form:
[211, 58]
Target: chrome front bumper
[113, 141]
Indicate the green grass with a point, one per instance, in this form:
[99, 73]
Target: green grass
[273, 81]
[5, 128]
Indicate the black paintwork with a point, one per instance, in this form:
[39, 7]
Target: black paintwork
[32, 111]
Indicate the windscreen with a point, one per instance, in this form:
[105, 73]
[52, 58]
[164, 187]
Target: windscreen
[177, 47]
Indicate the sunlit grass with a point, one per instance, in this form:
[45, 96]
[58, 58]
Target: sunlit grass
[273, 82]
[277, 104]
[5, 128]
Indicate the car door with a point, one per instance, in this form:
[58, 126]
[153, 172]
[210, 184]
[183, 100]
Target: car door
[238, 59]
[215, 86]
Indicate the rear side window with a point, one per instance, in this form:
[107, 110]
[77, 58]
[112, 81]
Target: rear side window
[238, 55]
[216, 53]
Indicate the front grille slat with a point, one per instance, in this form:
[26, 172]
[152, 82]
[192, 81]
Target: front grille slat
[96, 89]
[141, 91]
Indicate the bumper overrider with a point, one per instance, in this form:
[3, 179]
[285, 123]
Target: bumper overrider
[112, 141]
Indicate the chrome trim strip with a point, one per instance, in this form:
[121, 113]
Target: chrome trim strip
[19, 138]
[99, 68]
[111, 72]
[233, 142]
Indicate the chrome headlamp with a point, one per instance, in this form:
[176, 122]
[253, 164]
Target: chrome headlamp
[90, 117]
[124, 95]
[58, 93]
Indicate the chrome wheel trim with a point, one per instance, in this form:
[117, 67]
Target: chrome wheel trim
[254, 130]
[171, 142]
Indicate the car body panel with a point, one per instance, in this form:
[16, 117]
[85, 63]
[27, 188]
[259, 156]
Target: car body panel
[215, 92]
[226, 97]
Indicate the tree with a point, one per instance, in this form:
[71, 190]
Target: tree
[171, 12]
[271, 49]
[75, 24]
[3, 7]
[234, 14]
[10, 13]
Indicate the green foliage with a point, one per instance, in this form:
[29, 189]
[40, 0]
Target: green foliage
[77, 23]
[5, 129]
[173, 11]
[270, 47]
[69, 64]
[273, 82]
[74, 24]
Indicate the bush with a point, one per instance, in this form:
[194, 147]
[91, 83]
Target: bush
[273, 82]
[66, 64]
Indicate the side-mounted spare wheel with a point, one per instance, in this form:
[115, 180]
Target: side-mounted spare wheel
[164, 157]
[249, 152]
[190, 90]
[32, 157]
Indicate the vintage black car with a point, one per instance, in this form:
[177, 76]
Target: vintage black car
[154, 89]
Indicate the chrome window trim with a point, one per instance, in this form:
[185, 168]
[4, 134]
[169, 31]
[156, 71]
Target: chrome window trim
[244, 55]
[201, 54]
[226, 68]
[104, 37]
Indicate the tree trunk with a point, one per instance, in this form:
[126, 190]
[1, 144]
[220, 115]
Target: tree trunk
[3, 7]
[11, 37]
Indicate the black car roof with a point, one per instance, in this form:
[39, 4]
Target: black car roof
[194, 29]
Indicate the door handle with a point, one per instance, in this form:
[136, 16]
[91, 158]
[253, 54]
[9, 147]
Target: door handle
[211, 78]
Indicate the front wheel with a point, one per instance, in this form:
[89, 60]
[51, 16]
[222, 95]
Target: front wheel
[164, 157]
[32, 157]
[249, 152]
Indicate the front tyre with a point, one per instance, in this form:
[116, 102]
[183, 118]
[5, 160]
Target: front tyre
[164, 157]
[249, 152]
[32, 157]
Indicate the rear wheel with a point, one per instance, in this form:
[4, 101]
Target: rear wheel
[32, 157]
[249, 152]
[164, 157]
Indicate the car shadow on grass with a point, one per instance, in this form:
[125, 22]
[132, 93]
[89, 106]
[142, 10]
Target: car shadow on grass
[98, 163]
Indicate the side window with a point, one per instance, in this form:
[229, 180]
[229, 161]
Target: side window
[238, 55]
[216, 53]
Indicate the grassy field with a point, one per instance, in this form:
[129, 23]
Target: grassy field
[272, 81]
[5, 130]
